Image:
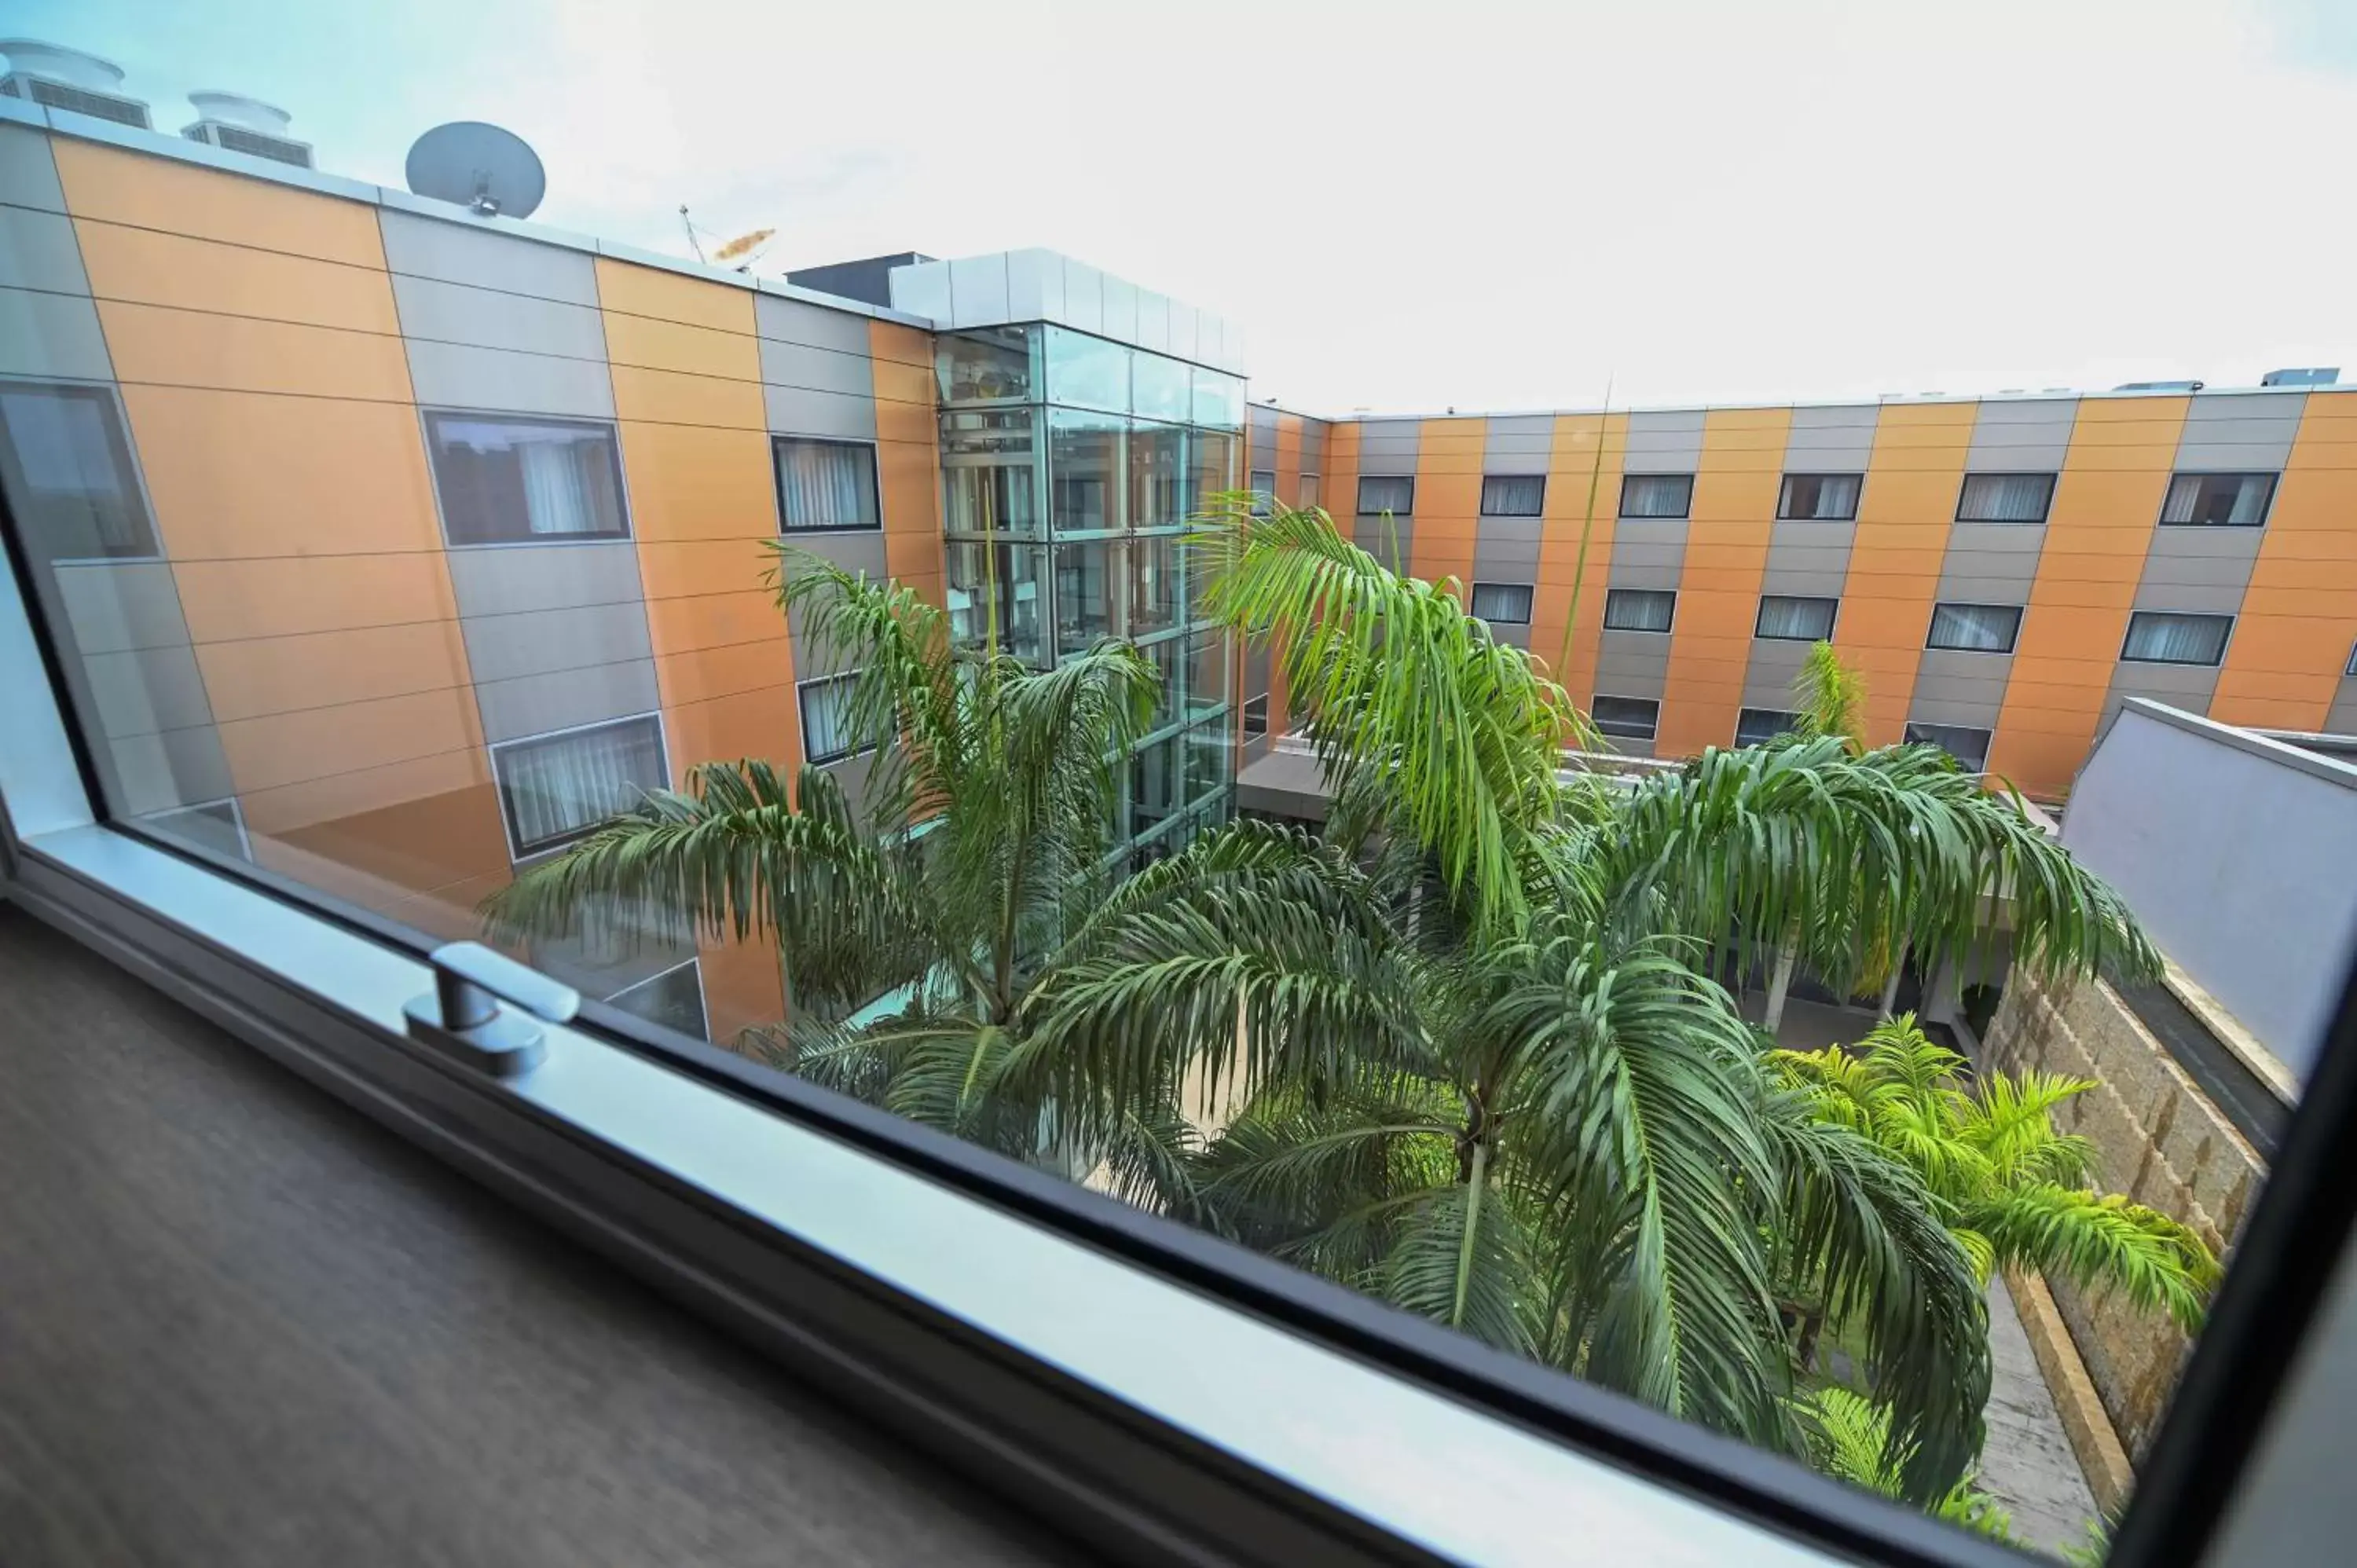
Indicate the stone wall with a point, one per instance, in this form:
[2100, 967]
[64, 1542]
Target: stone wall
[2158, 1139]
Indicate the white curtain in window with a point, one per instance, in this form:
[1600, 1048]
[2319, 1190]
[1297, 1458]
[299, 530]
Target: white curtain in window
[1836, 497]
[826, 483]
[1975, 628]
[555, 488]
[1391, 493]
[1513, 495]
[827, 717]
[1801, 620]
[1308, 490]
[2160, 638]
[1507, 603]
[1639, 609]
[2006, 498]
[1656, 495]
[559, 787]
[2233, 501]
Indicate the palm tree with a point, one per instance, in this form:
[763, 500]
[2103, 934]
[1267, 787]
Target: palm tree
[2014, 1191]
[1849, 1438]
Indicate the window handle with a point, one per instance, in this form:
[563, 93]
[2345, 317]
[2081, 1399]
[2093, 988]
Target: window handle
[462, 1018]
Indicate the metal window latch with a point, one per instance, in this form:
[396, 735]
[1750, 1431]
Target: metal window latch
[462, 1018]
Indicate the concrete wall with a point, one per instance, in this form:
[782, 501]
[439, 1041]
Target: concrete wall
[2235, 851]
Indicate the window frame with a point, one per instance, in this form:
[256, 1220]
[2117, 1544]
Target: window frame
[2045, 511]
[801, 719]
[1360, 499]
[2225, 643]
[1306, 487]
[1652, 731]
[1530, 601]
[1909, 736]
[2274, 478]
[1683, 512]
[1785, 730]
[427, 414]
[1605, 623]
[1784, 494]
[2012, 641]
[1264, 498]
[109, 395]
[519, 853]
[1538, 510]
[778, 440]
[1759, 617]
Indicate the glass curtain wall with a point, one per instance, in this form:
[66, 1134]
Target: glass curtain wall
[1069, 467]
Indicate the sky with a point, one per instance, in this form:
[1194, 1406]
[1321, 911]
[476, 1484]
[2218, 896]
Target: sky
[1411, 208]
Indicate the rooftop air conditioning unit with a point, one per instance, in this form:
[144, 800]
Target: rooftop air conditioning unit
[240, 125]
[2313, 376]
[58, 78]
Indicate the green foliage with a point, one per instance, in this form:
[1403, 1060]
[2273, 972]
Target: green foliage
[1831, 697]
[2012, 1188]
[1849, 1438]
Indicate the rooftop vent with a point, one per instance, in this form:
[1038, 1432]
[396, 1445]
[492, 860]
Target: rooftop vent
[237, 123]
[57, 78]
[2315, 376]
[2159, 386]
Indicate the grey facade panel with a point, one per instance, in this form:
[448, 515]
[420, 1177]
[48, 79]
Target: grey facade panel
[29, 174]
[1505, 561]
[1512, 634]
[1513, 459]
[2246, 432]
[1805, 582]
[1513, 530]
[541, 642]
[2207, 599]
[146, 690]
[114, 607]
[2187, 687]
[2265, 456]
[1522, 426]
[485, 318]
[1969, 713]
[1831, 440]
[565, 699]
[51, 335]
[1948, 675]
[163, 769]
[853, 553]
[1387, 457]
[2203, 569]
[433, 248]
[794, 411]
[2029, 436]
[455, 375]
[1768, 678]
[38, 249]
[817, 370]
[510, 579]
[1668, 443]
[1394, 545]
[1631, 656]
[1313, 445]
[1990, 563]
[798, 321]
[2343, 718]
[1635, 573]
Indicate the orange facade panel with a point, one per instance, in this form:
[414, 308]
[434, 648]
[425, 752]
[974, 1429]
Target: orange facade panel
[119, 187]
[1448, 498]
[1575, 547]
[633, 290]
[251, 676]
[145, 266]
[157, 346]
[648, 344]
[1906, 507]
[1730, 523]
[2294, 639]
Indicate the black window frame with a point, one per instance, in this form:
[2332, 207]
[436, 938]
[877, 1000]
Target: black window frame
[1610, 593]
[1790, 726]
[1537, 511]
[121, 453]
[612, 431]
[1922, 732]
[2012, 640]
[777, 443]
[1360, 500]
[2266, 508]
[2225, 642]
[1604, 726]
[1264, 497]
[1784, 495]
[1759, 617]
[519, 851]
[2045, 509]
[1684, 510]
[803, 690]
[1530, 600]
[1256, 716]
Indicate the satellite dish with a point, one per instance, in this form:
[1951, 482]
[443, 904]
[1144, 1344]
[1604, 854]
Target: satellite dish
[479, 166]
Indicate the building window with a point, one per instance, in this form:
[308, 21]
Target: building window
[1974, 628]
[2168, 637]
[1393, 493]
[1969, 747]
[507, 480]
[1820, 497]
[1656, 495]
[674, 999]
[1309, 491]
[1256, 716]
[825, 703]
[1505, 603]
[557, 787]
[1626, 718]
[1640, 609]
[67, 468]
[1263, 489]
[1513, 495]
[1789, 619]
[2005, 498]
[1758, 726]
[825, 485]
[2218, 501]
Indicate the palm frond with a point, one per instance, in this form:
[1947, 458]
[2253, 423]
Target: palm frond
[1462, 1258]
[2103, 1240]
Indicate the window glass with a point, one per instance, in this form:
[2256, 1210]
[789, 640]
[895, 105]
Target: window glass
[1256, 716]
[508, 480]
[2221, 500]
[2159, 636]
[1263, 489]
[826, 483]
[1087, 598]
[1309, 491]
[69, 476]
[1214, 455]
[1656, 495]
[1819, 497]
[990, 473]
[1158, 475]
[1626, 718]
[1086, 466]
[2005, 498]
[1790, 619]
[1505, 603]
[827, 717]
[1640, 609]
[1393, 493]
[1210, 760]
[1161, 387]
[994, 597]
[1156, 582]
[1087, 372]
[671, 1000]
[1513, 495]
[1974, 628]
[1218, 399]
[557, 787]
[1168, 657]
[1757, 727]
[1156, 785]
[988, 364]
[1969, 747]
[1207, 673]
